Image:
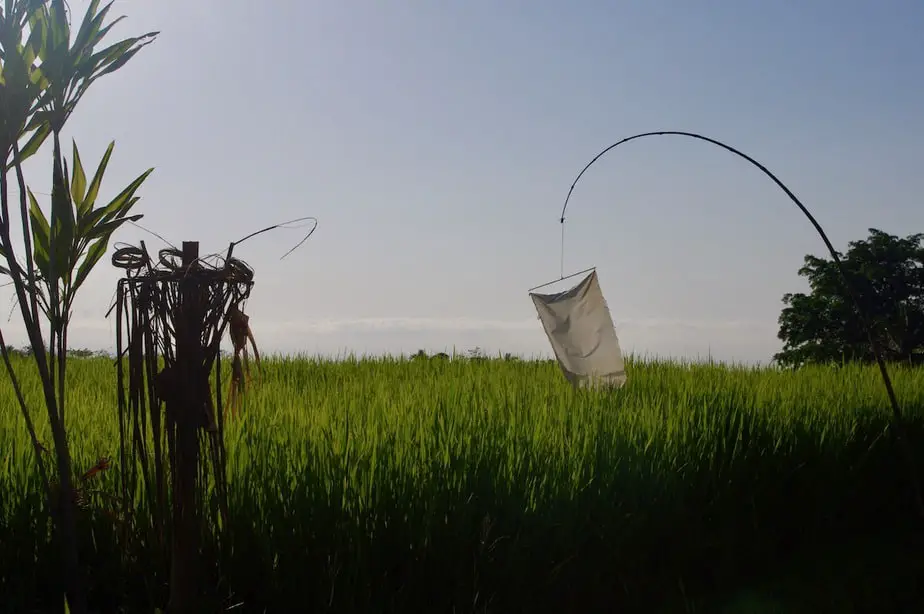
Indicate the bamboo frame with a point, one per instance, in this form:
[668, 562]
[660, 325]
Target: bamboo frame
[897, 418]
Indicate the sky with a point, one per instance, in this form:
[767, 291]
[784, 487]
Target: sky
[436, 141]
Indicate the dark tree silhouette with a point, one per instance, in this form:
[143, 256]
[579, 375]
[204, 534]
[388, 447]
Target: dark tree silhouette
[823, 326]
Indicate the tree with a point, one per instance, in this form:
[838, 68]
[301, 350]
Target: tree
[45, 69]
[887, 274]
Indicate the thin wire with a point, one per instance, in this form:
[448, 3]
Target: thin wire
[151, 232]
[239, 241]
[562, 248]
[275, 226]
[561, 275]
[15, 300]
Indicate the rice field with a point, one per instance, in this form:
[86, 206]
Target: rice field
[387, 485]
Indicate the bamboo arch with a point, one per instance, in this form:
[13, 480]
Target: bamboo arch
[897, 418]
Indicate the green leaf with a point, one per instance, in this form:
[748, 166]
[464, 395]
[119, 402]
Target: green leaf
[105, 229]
[96, 252]
[90, 26]
[38, 28]
[33, 44]
[34, 143]
[100, 216]
[101, 233]
[115, 56]
[83, 63]
[121, 61]
[62, 219]
[93, 190]
[37, 78]
[72, 69]
[118, 207]
[103, 32]
[123, 200]
[39, 118]
[98, 221]
[17, 92]
[32, 11]
[60, 28]
[88, 221]
[41, 233]
[78, 181]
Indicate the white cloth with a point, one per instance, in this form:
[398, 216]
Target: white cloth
[581, 331]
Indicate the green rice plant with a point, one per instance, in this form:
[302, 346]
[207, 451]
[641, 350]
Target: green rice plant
[491, 485]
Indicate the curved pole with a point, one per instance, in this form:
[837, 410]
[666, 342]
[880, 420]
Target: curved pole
[864, 319]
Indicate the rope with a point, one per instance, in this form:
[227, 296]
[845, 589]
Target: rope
[170, 258]
[130, 258]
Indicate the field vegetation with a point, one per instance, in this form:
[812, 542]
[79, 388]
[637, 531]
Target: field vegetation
[491, 486]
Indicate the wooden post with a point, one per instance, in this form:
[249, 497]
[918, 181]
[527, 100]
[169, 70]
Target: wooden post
[184, 560]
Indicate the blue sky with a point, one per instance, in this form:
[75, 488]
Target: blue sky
[436, 141]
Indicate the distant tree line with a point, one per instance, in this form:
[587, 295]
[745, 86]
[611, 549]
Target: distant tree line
[473, 354]
[27, 352]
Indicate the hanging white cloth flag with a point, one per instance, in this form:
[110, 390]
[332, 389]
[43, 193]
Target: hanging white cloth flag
[581, 331]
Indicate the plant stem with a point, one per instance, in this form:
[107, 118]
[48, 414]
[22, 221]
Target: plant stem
[26, 233]
[65, 513]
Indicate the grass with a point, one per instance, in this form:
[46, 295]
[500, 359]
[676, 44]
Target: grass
[492, 486]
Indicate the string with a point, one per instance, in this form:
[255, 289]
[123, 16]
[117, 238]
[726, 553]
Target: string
[562, 274]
